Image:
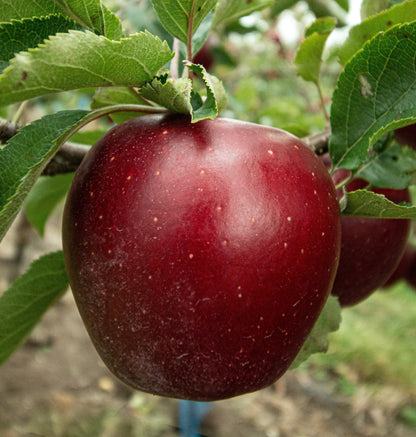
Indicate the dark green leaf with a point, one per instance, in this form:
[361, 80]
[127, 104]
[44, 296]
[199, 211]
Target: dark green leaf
[18, 9]
[374, 94]
[47, 192]
[57, 65]
[359, 34]
[176, 15]
[18, 36]
[394, 168]
[365, 203]
[25, 156]
[27, 299]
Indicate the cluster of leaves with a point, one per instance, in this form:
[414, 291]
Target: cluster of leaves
[51, 46]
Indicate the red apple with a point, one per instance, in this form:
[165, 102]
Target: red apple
[403, 266]
[406, 136]
[371, 248]
[204, 56]
[200, 255]
[410, 274]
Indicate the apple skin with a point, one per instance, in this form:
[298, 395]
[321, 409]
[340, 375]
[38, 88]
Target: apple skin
[371, 248]
[410, 274]
[403, 266]
[200, 255]
[406, 136]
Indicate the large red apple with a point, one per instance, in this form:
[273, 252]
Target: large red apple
[200, 255]
[371, 248]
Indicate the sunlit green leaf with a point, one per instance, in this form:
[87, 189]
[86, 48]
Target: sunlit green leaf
[58, 66]
[309, 56]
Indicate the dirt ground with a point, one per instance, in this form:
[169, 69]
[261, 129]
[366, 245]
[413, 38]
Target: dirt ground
[55, 385]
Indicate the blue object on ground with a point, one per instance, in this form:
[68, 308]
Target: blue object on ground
[191, 415]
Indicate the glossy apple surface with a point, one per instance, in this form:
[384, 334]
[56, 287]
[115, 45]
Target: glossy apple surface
[200, 255]
[371, 248]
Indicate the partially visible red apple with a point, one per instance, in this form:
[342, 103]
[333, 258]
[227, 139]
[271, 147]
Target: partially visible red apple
[204, 56]
[410, 274]
[371, 248]
[403, 266]
[406, 136]
[200, 255]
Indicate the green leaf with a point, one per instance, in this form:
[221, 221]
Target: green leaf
[25, 156]
[228, 11]
[18, 9]
[317, 342]
[373, 7]
[18, 36]
[88, 13]
[309, 56]
[176, 15]
[178, 95]
[47, 192]
[280, 6]
[58, 64]
[113, 26]
[216, 98]
[91, 14]
[365, 203]
[394, 168]
[374, 93]
[329, 8]
[106, 23]
[172, 94]
[359, 34]
[26, 300]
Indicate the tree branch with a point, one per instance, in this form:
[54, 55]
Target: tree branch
[7, 130]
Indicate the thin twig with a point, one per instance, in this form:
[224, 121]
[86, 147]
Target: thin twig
[318, 142]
